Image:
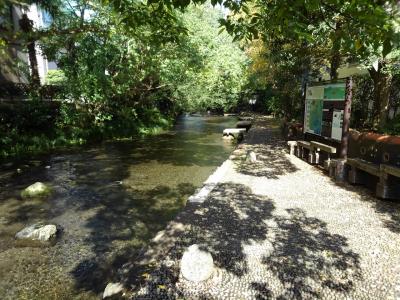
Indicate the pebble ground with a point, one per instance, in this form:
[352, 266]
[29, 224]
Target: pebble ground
[282, 229]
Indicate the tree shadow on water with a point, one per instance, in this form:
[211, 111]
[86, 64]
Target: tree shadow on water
[123, 225]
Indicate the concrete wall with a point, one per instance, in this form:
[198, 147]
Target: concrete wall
[17, 53]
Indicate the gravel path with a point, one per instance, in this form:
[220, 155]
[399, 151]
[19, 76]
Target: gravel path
[281, 229]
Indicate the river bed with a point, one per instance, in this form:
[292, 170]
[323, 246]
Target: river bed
[108, 201]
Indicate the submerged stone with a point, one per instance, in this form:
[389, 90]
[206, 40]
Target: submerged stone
[196, 264]
[37, 189]
[37, 232]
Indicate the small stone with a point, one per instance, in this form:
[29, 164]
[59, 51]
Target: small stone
[113, 289]
[47, 167]
[37, 189]
[251, 157]
[37, 232]
[196, 264]
[19, 171]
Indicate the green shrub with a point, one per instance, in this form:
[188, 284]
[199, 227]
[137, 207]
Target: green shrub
[393, 126]
[56, 77]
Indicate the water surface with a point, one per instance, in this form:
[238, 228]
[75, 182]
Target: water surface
[108, 200]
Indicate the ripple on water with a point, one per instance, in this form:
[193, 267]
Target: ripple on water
[108, 201]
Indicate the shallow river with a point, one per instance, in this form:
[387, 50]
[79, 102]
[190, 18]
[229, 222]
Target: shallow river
[108, 201]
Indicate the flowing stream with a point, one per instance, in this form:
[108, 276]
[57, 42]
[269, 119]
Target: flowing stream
[108, 201]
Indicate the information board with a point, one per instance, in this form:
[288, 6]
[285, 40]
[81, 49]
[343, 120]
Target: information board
[324, 107]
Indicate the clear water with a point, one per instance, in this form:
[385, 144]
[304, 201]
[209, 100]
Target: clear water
[108, 200]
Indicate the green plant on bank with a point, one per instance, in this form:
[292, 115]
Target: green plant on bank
[67, 127]
[55, 77]
[393, 126]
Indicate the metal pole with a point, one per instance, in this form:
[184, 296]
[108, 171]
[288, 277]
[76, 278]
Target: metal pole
[346, 118]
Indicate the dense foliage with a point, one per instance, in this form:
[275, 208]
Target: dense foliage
[304, 39]
[129, 67]
[124, 74]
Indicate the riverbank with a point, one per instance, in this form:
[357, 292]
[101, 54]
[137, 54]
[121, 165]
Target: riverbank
[280, 228]
[108, 201]
[32, 128]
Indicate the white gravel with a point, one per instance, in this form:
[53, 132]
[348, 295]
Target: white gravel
[281, 229]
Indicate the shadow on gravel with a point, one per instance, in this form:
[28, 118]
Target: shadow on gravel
[271, 162]
[388, 210]
[234, 216]
[308, 258]
[392, 211]
[304, 256]
[262, 290]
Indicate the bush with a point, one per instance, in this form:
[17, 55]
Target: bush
[393, 126]
[55, 77]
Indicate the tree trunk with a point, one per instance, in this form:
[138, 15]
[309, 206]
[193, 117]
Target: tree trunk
[335, 63]
[335, 52]
[382, 82]
[26, 26]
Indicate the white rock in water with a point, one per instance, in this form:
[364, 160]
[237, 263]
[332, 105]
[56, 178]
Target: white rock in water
[251, 156]
[228, 137]
[37, 189]
[112, 289]
[196, 265]
[37, 232]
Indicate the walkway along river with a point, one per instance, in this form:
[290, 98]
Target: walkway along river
[108, 200]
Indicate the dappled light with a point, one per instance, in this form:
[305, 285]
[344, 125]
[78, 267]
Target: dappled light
[308, 257]
[272, 160]
[192, 149]
[236, 226]
[108, 202]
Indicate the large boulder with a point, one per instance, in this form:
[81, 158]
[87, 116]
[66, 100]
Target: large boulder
[36, 190]
[196, 264]
[37, 232]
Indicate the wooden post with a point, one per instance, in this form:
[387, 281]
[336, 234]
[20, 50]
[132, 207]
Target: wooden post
[304, 107]
[346, 118]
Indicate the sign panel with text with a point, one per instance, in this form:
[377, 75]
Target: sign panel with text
[324, 106]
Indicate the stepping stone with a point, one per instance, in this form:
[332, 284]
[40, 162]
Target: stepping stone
[196, 264]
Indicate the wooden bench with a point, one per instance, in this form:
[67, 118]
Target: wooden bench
[321, 147]
[357, 165]
[386, 188]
